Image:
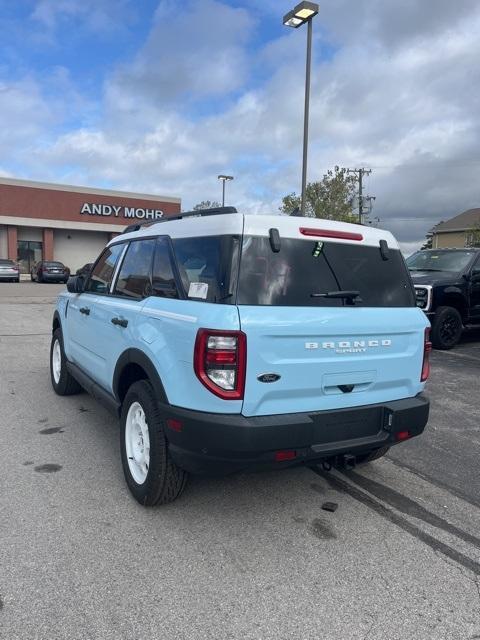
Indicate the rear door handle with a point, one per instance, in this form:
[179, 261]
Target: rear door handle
[121, 322]
[85, 310]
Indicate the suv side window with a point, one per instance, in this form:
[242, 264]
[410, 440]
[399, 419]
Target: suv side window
[208, 266]
[163, 280]
[102, 274]
[134, 277]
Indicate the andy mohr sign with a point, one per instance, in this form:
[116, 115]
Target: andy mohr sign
[120, 211]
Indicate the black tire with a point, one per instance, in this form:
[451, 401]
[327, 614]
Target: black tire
[372, 455]
[31, 277]
[66, 385]
[447, 328]
[164, 481]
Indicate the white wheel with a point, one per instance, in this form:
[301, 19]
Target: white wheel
[137, 443]
[56, 361]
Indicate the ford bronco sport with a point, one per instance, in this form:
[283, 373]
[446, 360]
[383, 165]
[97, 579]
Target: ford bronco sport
[228, 342]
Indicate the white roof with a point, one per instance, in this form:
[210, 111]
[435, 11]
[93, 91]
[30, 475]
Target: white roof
[259, 225]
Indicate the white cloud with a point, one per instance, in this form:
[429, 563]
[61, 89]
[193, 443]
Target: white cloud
[199, 53]
[97, 15]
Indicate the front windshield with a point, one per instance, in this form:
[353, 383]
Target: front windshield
[439, 260]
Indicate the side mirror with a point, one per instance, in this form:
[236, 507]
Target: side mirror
[76, 284]
[475, 274]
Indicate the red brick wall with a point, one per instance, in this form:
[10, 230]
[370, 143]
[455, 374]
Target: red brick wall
[32, 202]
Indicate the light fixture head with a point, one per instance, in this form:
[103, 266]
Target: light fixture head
[302, 13]
[223, 177]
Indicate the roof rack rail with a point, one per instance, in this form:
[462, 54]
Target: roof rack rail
[198, 213]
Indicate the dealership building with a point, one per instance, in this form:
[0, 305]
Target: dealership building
[40, 221]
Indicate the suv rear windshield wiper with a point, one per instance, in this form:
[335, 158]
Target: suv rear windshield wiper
[423, 269]
[351, 295]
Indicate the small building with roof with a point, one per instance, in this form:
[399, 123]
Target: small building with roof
[458, 232]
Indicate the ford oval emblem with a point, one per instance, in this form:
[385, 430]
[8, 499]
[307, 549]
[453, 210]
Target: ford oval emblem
[268, 377]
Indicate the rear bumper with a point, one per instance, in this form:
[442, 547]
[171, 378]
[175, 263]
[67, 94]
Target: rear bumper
[54, 277]
[211, 443]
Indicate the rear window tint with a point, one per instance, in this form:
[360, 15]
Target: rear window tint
[6, 263]
[303, 267]
[208, 267]
[53, 264]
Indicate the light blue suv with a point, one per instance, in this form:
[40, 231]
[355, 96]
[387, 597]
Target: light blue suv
[228, 342]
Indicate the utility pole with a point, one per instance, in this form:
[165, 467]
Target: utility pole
[361, 172]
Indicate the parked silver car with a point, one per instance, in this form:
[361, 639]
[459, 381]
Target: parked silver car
[9, 270]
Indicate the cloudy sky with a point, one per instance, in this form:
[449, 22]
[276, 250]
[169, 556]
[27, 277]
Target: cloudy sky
[161, 96]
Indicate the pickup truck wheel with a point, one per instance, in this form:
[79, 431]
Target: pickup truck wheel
[151, 474]
[372, 455]
[446, 328]
[62, 382]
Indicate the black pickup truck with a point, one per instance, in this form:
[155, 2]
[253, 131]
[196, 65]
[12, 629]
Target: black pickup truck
[447, 286]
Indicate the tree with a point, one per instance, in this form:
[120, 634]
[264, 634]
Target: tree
[428, 241]
[207, 204]
[330, 198]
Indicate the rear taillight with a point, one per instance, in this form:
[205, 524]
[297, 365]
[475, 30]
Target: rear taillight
[427, 347]
[220, 360]
[282, 456]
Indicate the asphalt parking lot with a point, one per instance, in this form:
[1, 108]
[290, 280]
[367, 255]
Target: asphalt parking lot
[244, 557]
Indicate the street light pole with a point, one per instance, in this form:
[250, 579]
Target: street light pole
[304, 13]
[306, 116]
[224, 179]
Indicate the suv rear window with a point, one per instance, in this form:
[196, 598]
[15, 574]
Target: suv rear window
[6, 263]
[303, 267]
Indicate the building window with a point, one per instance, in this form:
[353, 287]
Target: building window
[28, 253]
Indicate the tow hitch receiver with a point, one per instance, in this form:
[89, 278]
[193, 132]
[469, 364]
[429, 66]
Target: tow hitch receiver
[348, 462]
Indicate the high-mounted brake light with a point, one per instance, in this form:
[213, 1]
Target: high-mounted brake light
[427, 347]
[330, 233]
[220, 360]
